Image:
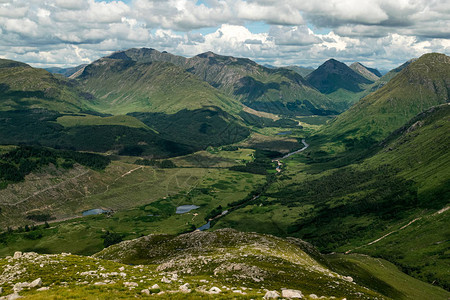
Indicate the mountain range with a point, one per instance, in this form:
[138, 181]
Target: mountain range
[335, 184]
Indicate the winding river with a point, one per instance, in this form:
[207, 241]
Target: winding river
[305, 146]
[278, 168]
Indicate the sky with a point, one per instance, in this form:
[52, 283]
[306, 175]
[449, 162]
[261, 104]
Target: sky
[378, 33]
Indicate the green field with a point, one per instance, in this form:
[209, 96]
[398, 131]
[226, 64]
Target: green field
[143, 201]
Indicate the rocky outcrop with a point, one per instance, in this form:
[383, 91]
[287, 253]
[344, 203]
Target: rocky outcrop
[288, 293]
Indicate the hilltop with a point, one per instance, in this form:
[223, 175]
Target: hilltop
[333, 75]
[339, 82]
[224, 264]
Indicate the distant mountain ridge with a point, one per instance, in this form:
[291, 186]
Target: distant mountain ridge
[271, 90]
[366, 72]
[67, 72]
[333, 75]
[304, 71]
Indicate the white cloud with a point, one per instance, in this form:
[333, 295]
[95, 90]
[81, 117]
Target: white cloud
[21, 26]
[297, 35]
[69, 32]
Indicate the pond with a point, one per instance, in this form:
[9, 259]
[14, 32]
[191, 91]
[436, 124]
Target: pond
[95, 211]
[205, 227]
[185, 208]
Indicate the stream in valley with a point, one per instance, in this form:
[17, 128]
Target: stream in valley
[278, 168]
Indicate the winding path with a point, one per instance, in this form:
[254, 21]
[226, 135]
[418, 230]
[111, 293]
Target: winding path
[394, 231]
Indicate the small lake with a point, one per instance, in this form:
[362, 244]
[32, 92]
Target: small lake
[205, 227]
[284, 132]
[185, 208]
[95, 211]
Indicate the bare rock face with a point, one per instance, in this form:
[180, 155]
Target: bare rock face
[215, 290]
[348, 278]
[288, 293]
[165, 280]
[17, 255]
[35, 283]
[13, 296]
[272, 295]
[185, 288]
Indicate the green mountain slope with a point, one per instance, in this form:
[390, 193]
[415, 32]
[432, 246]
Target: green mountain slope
[24, 87]
[38, 108]
[124, 86]
[271, 90]
[357, 206]
[419, 86]
[387, 77]
[165, 97]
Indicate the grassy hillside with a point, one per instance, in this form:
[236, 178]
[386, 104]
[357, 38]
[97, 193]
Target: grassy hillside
[346, 208]
[421, 85]
[37, 108]
[124, 86]
[40, 127]
[24, 87]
